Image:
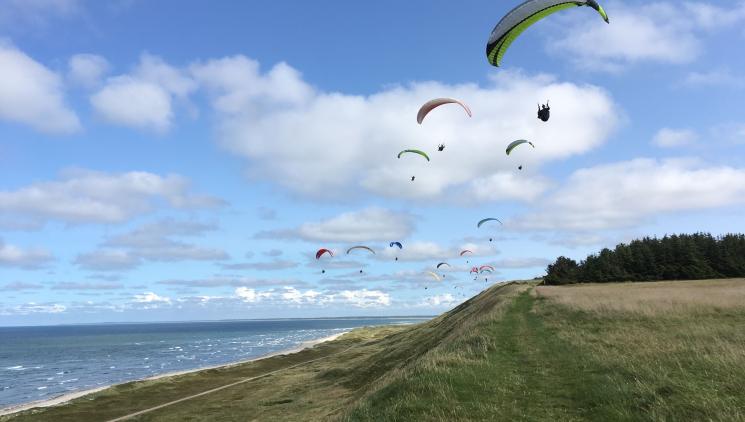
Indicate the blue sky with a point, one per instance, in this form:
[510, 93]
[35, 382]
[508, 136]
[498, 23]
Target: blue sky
[185, 160]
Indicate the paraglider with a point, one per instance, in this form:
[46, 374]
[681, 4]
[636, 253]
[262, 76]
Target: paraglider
[400, 246]
[360, 247]
[486, 268]
[443, 263]
[413, 151]
[465, 252]
[544, 112]
[486, 220]
[522, 17]
[432, 104]
[515, 144]
[433, 275]
[322, 251]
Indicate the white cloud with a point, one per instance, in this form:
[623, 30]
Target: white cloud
[439, 300]
[367, 225]
[504, 186]
[273, 265]
[629, 193]
[154, 242]
[416, 251]
[365, 298]
[370, 224]
[143, 99]
[670, 138]
[522, 262]
[84, 196]
[19, 286]
[13, 256]
[107, 260]
[296, 296]
[287, 131]
[237, 84]
[661, 32]
[150, 300]
[131, 102]
[35, 308]
[718, 77]
[32, 94]
[251, 295]
[87, 70]
[87, 286]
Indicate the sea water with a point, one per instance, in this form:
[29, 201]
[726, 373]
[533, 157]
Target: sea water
[38, 363]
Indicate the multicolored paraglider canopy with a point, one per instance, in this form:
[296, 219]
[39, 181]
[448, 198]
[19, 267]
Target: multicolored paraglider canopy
[433, 104]
[322, 251]
[522, 17]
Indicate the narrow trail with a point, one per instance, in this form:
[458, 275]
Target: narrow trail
[233, 384]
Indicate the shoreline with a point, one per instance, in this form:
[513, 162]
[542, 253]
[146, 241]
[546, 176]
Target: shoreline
[64, 398]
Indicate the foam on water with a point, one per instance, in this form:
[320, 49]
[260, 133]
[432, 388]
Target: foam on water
[44, 362]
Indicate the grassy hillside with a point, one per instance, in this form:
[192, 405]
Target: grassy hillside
[653, 351]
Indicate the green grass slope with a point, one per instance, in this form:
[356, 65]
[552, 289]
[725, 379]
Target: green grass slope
[514, 352]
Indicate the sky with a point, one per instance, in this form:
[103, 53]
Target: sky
[185, 160]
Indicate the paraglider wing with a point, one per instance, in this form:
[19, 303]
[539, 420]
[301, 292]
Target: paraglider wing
[443, 263]
[433, 275]
[522, 17]
[487, 268]
[400, 246]
[323, 251]
[360, 247]
[465, 252]
[480, 223]
[514, 145]
[413, 151]
[432, 104]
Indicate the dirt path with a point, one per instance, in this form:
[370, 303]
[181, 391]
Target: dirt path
[245, 380]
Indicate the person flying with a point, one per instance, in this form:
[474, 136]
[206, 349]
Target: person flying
[544, 112]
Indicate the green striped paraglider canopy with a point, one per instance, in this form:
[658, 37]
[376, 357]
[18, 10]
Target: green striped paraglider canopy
[413, 151]
[522, 17]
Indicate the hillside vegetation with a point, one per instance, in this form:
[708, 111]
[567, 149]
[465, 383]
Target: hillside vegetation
[652, 351]
[677, 257]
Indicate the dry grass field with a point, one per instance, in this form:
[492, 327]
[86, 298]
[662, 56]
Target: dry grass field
[678, 346]
[667, 351]
[652, 298]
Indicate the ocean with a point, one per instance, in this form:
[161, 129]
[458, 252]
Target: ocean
[39, 363]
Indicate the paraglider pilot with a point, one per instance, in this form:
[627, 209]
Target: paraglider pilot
[412, 178]
[544, 112]
[441, 147]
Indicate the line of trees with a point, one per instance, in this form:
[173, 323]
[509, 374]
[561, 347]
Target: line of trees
[676, 257]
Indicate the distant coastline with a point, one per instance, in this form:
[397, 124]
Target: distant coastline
[344, 318]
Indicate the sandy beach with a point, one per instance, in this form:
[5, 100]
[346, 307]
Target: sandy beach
[64, 398]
